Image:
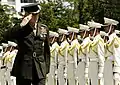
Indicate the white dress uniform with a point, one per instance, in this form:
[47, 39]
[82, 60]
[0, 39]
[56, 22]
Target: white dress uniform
[114, 47]
[96, 56]
[97, 60]
[72, 58]
[116, 68]
[62, 59]
[9, 60]
[108, 71]
[111, 54]
[53, 65]
[52, 76]
[3, 67]
[85, 47]
[62, 56]
[80, 71]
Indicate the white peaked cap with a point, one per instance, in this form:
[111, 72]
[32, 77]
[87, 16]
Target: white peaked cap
[117, 31]
[110, 21]
[53, 34]
[12, 43]
[56, 34]
[4, 44]
[84, 27]
[94, 24]
[71, 29]
[103, 33]
[62, 31]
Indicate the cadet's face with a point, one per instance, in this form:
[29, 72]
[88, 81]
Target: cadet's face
[70, 35]
[106, 28]
[97, 31]
[60, 37]
[82, 33]
[50, 39]
[91, 32]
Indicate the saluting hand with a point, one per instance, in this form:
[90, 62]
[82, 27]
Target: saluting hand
[26, 20]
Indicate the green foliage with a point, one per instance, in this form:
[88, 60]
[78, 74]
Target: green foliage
[112, 9]
[55, 16]
[5, 20]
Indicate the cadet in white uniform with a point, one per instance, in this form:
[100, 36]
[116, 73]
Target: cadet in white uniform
[113, 57]
[85, 45]
[62, 57]
[3, 67]
[72, 55]
[80, 71]
[52, 76]
[96, 54]
[9, 60]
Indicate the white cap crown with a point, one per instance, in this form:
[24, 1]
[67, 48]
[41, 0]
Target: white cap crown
[84, 27]
[5, 45]
[62, 31]
[94, 24]
[110, 21]
[12, 43]
[71, 29]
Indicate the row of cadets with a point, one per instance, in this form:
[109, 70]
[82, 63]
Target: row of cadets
[8, 56]
[3, 67]
[96, 54]
[63, 57]
[10, 61]
[113, 50]
[72, 56]
[82, 64]
[52, 76]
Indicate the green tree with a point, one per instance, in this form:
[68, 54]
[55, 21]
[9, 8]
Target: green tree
[112, 9]
[5, 19]
[55, 16]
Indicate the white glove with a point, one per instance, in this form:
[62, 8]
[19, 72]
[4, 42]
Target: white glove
[100, 75]
[86, 70]
[26, 20]
[86, 75]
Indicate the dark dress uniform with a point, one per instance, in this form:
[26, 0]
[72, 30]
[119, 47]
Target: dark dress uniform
[33, 59]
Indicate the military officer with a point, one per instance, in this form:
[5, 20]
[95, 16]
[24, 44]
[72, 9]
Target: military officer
[52, 76]
[80, 71]
[62, 57]
[96, 54]
[113, 56]
[33, 58]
